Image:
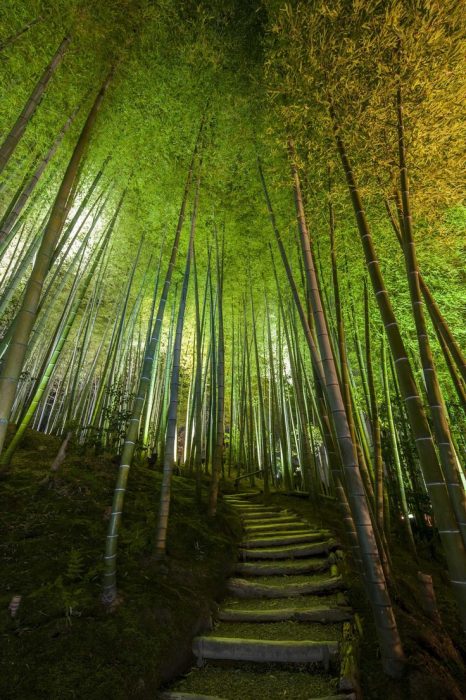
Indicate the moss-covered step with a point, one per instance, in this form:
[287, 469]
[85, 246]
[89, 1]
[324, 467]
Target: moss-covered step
[251, 507]
[284, 538]
[195, 696]
[322, 614]
[284, 567]
[175, 695]
[257, 681]
[243, 494]
[266, 518]
[270, 651]
[275, 527]
[269, 523]
[243, 588]
[281, 631]
[243, 503]
[291, 551]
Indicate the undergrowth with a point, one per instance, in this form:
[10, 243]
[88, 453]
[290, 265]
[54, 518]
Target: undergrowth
[62, 643]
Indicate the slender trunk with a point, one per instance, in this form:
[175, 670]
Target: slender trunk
[197, 388]
[171, 446]
[438, 412]
[14, 37]
[16, 132]
[375, 422]
[260, 398]
[109, 589]
[14, 357]
[150, 395]
[396, 454]
[21, 201]
[444, 514]
[440, 324]
[389, 640]
[53, 353]
[217, 460]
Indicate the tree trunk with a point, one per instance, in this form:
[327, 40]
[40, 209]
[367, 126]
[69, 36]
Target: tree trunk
[14, 37]
[217, 458]
[171, 445]
[444, 515]
[18, 207]
[389, 640]
[109, 587]
[434, 395]
[16, 132]
[14, 357]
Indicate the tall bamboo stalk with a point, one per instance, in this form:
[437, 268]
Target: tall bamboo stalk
[14, 356]
[55, 348]
[443, 511]
[170, 448]
[109, 592]
[14, 37]
[9, 221]
[218, 451]
[17, 130]
[389, 640]
[438, 412]
[374, 416]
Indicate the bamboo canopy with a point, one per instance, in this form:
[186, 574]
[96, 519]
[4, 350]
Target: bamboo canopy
[232, 245]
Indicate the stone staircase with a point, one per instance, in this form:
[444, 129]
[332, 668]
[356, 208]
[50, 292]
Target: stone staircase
[283, 630]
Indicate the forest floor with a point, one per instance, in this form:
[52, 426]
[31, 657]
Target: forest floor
[62, 643]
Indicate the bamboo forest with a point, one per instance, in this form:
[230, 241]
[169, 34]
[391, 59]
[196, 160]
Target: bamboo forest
[232, 349]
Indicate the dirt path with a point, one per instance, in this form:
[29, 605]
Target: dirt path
[280, 633]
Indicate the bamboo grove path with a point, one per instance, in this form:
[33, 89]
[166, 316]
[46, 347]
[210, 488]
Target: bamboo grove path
[283, 630]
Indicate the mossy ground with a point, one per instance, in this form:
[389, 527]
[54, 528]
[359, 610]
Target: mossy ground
[62, 642]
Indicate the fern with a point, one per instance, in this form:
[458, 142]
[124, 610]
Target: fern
[74, 570]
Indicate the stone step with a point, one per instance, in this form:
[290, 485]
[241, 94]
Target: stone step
[242, 502]
[275, 519]
[298, 550]
[283, 539]
[247, 681]
[251, 508]
[266, 518]
[282, 568]
[242, 588]
[262, 516]
[270, 651]
[323, 614]
[243, 494]
[174, 695]
[276, 527]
